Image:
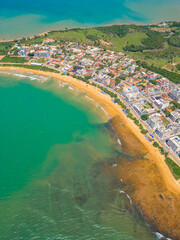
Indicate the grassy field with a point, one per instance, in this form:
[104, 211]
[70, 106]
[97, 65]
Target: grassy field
[14, 59]
[131, 38]
[5, 47]
[175, 169]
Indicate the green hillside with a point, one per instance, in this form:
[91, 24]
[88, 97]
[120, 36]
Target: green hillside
[153, 44]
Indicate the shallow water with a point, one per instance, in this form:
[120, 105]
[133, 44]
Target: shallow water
[55, 152]
[22, 18]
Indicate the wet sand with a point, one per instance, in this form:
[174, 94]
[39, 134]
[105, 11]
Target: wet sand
[145, 182]
[154, 189]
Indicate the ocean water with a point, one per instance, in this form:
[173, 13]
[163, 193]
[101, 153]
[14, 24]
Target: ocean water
[55, 152]
[23, 18]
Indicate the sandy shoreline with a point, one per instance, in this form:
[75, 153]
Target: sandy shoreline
[170, 185]
[113, 110]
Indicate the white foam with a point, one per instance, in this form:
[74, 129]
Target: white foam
[114, 165]
[71, 88]
[104, 111]
[130, 200]
[89, 98]
[121, 191]
[160, 236]
[20, 75]
[33, 78]
[119, 141]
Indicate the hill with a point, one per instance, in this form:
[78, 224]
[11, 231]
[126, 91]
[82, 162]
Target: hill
[157, 45]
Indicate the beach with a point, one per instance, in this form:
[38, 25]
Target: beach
[155, 191]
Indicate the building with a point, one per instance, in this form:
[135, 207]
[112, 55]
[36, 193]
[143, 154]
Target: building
[104, 79]
[174, 145]
[175, 94]
[160, 103]
[131, 93]
[163, 132]
[138, 107]
[175, 128]
[175, 116]
[22, 53]
[154, 121]
[43, 54]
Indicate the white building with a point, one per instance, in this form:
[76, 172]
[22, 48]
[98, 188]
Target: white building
[104, 79]
[138, 107]
[131, 93]
[174, 144]
[163, 132]
[175, 116]
[175, 94]
[154, 121]
[160, 103]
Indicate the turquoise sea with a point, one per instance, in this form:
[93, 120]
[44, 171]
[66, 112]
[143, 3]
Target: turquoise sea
[55, 152]
[24, 18]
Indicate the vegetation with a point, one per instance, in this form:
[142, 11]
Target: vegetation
[118, 101]
[154, 40]
[178, 66]
[34, 40]
[174, 77]
[174, 40]
[117, 80]
[175, 104]
[144, 117]
[153, 82]
[175, 169]
[13, 59]
[143, 131]
[35, 67]
[115, 30]
[161, 149]
[5, 47]
[167, 113]
[31, 54]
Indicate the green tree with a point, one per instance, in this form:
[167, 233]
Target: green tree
[145, 116]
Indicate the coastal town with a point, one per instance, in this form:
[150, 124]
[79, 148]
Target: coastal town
[151, 98]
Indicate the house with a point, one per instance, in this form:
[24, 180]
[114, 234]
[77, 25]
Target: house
[174, 145]
[22, 53]
[154, 121]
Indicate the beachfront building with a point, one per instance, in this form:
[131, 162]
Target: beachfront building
[154, 121]
[104, 79]
[139, 108]
[174, 145]
[163, 132]
[131, 93]
[175, 116]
